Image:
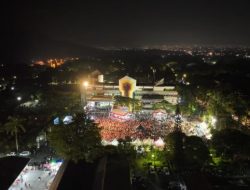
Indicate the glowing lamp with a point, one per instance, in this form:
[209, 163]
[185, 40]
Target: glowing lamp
[85, 84]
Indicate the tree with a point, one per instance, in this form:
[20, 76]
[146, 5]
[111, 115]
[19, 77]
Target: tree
[189, 105]
[231, 144]
[13, 126]
[60, 102]
[126, 149]
[128, 102]
[185, 151]
[79, 140]
[196, 152]
[174, 147]
[164, 105]
[238, 106]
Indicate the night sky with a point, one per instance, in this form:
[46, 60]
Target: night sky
[130, 23]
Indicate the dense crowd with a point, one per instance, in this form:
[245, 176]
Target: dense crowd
[135, 129]
[141, 126]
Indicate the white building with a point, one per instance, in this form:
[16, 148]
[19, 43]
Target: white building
[101, 95]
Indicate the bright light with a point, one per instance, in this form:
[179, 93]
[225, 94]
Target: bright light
[179, 100]
[213, 121]
[159, 142]
[85, 84]
[184, 75]
[153, 155]
[115, 142]
[19, 98]
[204, 125]
[12, 88]
[68, 119]
[203, 130]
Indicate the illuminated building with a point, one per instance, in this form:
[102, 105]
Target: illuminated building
[101, 95]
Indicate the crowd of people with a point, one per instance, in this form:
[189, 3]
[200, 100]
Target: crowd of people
[135, 129]
[115, 129]
[140, 126]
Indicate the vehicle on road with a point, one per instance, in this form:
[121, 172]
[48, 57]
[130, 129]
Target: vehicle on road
[25, 153]
[11, 154]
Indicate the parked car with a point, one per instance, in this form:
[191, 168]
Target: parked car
[11, 154]
[25, 153]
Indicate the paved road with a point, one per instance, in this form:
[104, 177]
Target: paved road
[35, 177]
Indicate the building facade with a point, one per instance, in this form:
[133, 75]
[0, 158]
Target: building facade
[102, 95]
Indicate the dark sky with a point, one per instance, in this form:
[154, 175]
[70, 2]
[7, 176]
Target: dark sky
[132, 23]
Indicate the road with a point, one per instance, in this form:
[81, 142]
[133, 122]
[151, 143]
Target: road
[37, 174]
[31, 178]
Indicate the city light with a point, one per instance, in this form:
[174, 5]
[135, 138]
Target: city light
[85, 84]
[163, 96]
[213, 121]
[115, 142]
[159, 143]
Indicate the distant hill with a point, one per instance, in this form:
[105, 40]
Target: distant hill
[26, 48]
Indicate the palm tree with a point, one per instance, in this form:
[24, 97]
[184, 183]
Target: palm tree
[13, 126]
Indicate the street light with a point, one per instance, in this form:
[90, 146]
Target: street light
[85, 85]
[153, 157]
[19, 98]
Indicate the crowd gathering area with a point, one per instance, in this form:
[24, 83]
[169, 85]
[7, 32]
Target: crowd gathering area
[144, 127]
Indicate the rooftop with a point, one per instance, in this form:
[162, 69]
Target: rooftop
[10, 168]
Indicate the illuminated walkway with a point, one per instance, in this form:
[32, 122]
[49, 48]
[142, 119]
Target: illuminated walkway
[34, 178]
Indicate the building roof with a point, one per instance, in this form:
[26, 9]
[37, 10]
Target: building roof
[117, 174]
[127, 78]
[10, 168]
[78, 175]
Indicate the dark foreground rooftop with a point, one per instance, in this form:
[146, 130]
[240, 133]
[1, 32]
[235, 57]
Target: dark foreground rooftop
[109, 173]
[10, 168]
[78, 176]
[117, 174]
